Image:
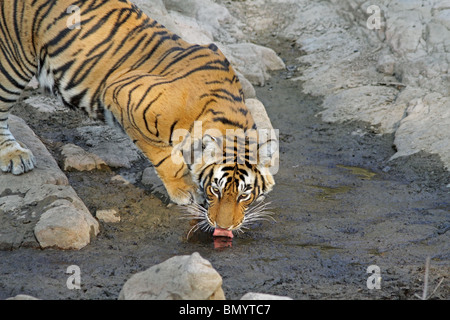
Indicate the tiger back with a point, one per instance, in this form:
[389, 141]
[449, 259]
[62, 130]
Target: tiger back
[119, 65]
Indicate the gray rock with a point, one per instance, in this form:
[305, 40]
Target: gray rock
[46, 170]
[386, 64]
[113, 146]
[178, 278]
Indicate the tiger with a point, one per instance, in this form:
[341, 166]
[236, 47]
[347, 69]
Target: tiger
[119, 65]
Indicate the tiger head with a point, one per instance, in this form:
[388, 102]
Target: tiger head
[231, 178]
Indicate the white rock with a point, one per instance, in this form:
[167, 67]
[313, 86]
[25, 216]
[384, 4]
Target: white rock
[425, 127]
[178, 278]
[22, 297]
[403, 32]
[263, 296]
[386, 64]
[189, 29]
[372, 104]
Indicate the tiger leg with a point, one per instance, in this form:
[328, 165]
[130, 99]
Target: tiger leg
[15, 157]
[136, 100]
[173, 172]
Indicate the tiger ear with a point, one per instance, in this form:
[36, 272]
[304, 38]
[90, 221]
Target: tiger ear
[267, 152]
[268, 159]
[211, 149]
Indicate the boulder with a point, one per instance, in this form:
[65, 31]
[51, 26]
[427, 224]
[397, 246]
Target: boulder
[253, 61]
[178, 278]
[40, 205]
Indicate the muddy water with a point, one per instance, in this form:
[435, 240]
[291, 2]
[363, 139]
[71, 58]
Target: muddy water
[339, 207]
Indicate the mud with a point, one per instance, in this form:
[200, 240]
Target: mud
[340, 206]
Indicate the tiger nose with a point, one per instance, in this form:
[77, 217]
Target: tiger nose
[224, 222]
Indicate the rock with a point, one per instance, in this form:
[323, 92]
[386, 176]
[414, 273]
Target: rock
[263, 296]
[259, 114]
[178, 278]
[23, 297]
[253, 61]
[189, 29]
[403, 33]
[39, 208]
[108, 216]
[76, 158]
[386, 64]
[266, 131]
[212, 17]
[43, 103]
[343, 60]
[425, 127]
[247, 87]
[113, 146]
[66, 223]
[46, 171]
[372, 104]
[151, 7]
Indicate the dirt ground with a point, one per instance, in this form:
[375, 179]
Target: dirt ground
[340, 206]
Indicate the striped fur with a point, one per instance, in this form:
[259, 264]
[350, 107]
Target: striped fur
[121, 62]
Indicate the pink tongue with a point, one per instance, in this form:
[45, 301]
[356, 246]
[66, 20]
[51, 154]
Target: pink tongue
[218, 232]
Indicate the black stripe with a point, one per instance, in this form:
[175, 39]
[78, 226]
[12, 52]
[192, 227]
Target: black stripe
[226, 121]
[58, 40]
[160, 162]
[164, 56]
[186, 53]
[75, 100]
[171, 130]
[147, 109]
[204, 108]
[88, 64]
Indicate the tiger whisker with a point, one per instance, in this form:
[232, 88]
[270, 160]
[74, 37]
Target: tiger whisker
[195, 211]
[256, 213]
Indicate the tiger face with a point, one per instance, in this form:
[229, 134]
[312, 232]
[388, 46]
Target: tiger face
[231, 189]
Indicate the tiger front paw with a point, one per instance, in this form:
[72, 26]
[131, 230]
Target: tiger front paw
[16, 158]
[182, 193]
